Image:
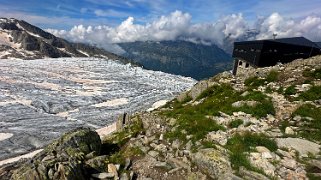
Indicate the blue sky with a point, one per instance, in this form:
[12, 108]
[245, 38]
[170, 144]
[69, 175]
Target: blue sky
[64, 14]
[107, 22]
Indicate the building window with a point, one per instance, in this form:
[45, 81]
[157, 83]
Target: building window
[252, 50]
[247, 65]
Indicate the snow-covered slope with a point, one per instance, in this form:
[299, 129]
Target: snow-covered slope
[40, 99]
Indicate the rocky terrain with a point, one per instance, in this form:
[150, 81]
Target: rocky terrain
[19, 39]
[264, 125]
[189, 59]
[41, 99]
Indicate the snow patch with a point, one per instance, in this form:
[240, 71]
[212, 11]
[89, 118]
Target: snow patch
[157, 105]
[64, 50]
[15, 159]
[114, 102]
[83, 52]
[5, 40]
[4, 136]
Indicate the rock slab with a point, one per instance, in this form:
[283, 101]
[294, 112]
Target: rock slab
[212, 162]
[301, 145]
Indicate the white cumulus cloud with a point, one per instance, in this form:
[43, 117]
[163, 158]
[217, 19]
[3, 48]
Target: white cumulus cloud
[178, 25]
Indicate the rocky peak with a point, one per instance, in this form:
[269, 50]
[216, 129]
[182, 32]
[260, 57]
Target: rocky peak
[19, 39]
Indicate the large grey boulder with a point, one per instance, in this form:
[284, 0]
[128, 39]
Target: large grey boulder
[214, 163]
[301, 145]
[63, 159]
[198, 89]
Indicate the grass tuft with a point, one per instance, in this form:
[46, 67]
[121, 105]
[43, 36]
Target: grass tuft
[235, 123]
[239, 144]
[312, 74]
[219, 98]
[309, 128]
[254, 82]
[314, 93]
[290, 90]
[272, 76]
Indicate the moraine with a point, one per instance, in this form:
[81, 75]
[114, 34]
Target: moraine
[41, 99]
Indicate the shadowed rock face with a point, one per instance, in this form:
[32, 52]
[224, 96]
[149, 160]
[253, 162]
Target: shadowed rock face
[30, 42]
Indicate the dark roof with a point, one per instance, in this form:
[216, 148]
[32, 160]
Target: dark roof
[296, 41]
[318, 44]
[301, 41]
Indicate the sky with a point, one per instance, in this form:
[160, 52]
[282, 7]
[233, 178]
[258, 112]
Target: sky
[105, 22]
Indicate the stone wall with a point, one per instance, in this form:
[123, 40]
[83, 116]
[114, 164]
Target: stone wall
[244, 71]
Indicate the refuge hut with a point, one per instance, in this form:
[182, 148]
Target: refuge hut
[263, 53]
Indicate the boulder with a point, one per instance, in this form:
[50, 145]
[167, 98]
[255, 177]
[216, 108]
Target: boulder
[289, 163]
[301, 145]
[98, 163]
[214, 163]
[176, 144]
[198, 89]
[103, 175]
[182, 97]
[63, 159]
[258, 160]
[238, 104]
[251, 174]
[289, 131]
[218, 137]
[262, 149]
[80, 141]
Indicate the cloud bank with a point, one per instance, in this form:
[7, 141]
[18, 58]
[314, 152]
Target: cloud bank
[178, 25]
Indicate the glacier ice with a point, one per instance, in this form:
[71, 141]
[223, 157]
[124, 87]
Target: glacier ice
[40, 99]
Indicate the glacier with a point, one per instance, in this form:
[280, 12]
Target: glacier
[43, 98]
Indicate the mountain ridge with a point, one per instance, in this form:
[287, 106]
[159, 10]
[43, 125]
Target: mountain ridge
[185, 58]
[19, 39]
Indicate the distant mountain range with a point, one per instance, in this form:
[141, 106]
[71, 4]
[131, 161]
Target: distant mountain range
[19, 39]
[185, 58]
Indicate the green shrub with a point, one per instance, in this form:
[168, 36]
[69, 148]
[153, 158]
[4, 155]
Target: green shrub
[254, 82]
[235, 123]
[283, 125]
[290, 90]
[187, 99]
[219, 98]
[280, 90]
[239, 144]
[312, 74]
[264, 106]
[314, 93]
[193, 124]
[272, 76]
[208, 144]
[309, 129]
[268, 90]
